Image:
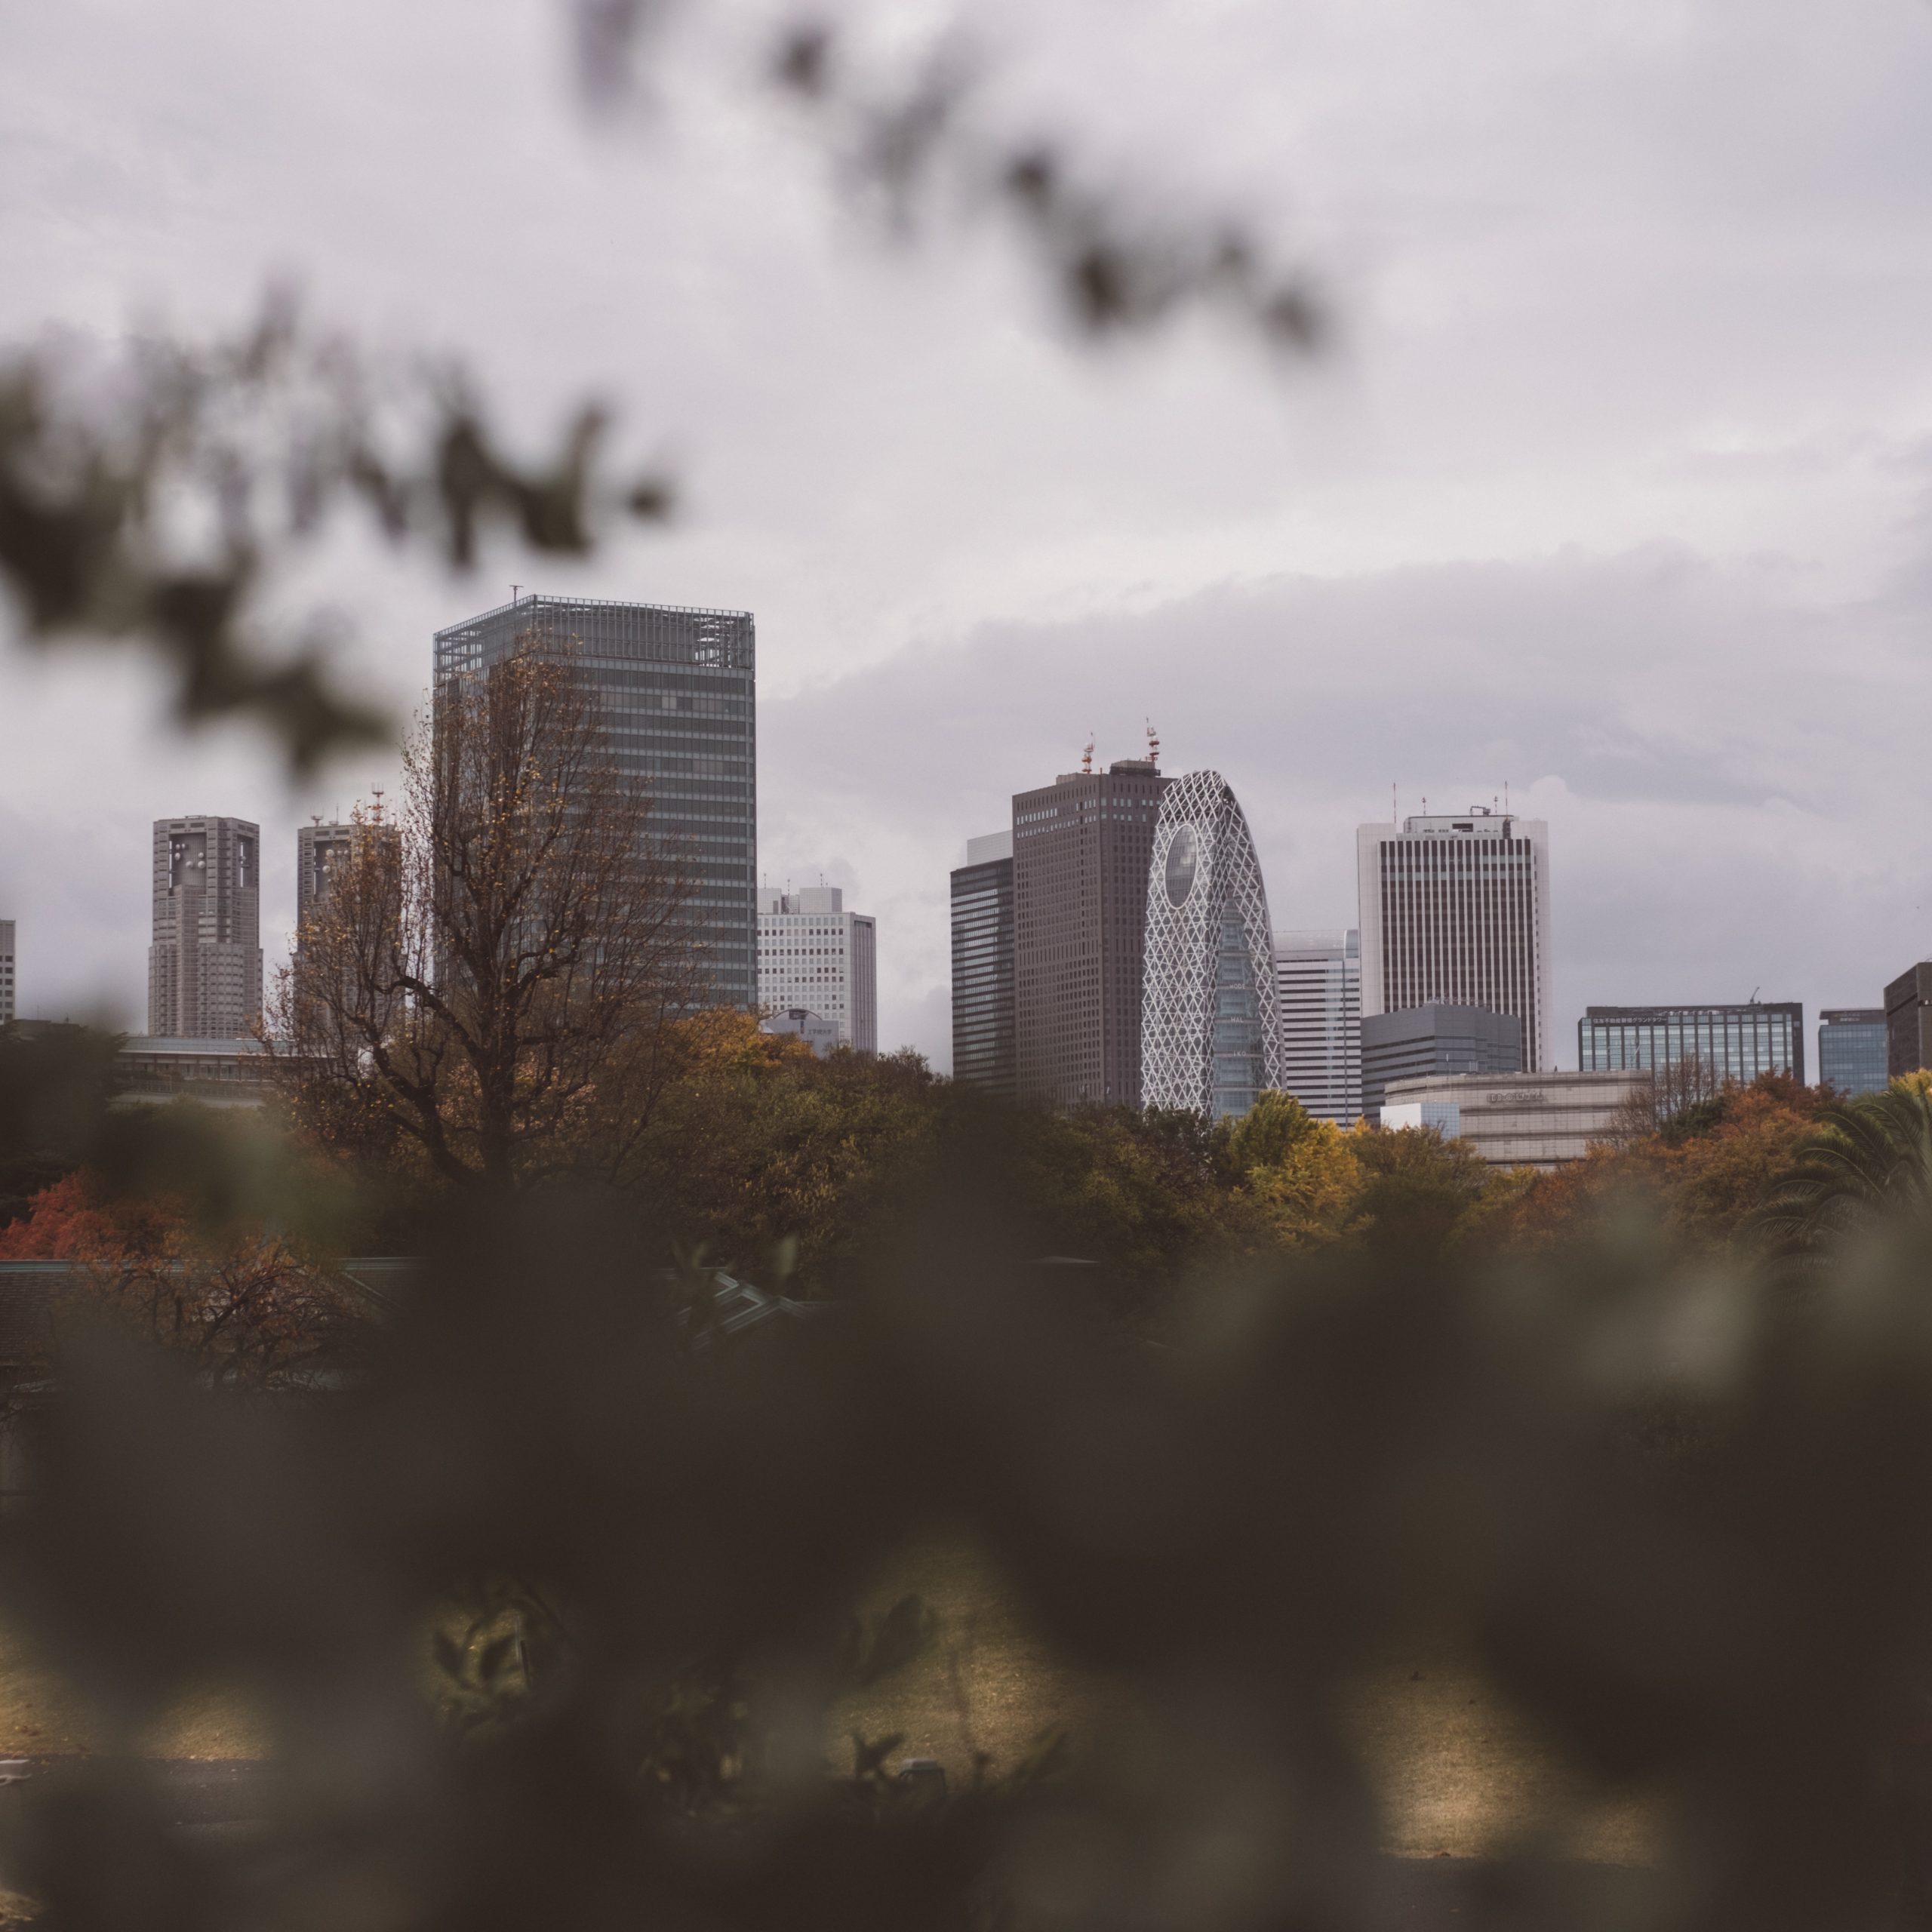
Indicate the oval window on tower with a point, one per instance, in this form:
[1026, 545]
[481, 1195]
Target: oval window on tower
[1181, 852]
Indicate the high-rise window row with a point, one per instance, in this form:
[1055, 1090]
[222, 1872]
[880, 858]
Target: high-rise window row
[1736, 1043]
[815, 957]
[1317, 986]
[1455, 911]
[679, 692]
[7, 971]
[204, 965]
[982, 965]
[1851, 1050]
[1081, 848]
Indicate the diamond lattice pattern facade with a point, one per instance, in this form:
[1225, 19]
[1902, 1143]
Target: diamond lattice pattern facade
[1210, 1035]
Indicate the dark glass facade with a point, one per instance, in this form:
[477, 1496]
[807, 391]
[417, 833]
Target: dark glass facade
[1737, 1043]
[1080, 847]
[1425, 1040]
[1909, 1021]
[983, 1041]
[680, 693]
[1851, 1050]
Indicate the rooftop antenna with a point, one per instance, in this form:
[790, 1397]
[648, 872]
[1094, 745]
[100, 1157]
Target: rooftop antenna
[1395, 806]
[1153, 746]
[1505, 794]
[376, 792]
[1086, 757]
[514, 589]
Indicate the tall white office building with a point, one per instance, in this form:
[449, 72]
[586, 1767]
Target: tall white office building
[812, 954]
[1317, 986]
[6, 971]
[1455, 912]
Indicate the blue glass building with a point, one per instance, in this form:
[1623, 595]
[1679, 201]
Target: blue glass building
[1737, 1043]
[1851, 1050]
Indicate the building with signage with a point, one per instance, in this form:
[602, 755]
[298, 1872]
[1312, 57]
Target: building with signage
[1851, 1050]
[1736, 1043]
[1515, 1120]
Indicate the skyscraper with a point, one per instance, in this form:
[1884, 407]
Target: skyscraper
[1909, 1021]
[982, 1050]
[204, 967]
[1455, 912]
[1851, 1050]
[6, 971]
[1080, 847]
[679, 689]
[1318, 988]
[322, 850]
[1736, 1043]
[814, 954]
[1210, 1033]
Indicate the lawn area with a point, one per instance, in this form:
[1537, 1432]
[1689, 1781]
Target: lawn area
[1458, 1770]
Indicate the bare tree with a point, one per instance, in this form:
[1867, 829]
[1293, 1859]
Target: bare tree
[494, 977]
[1662, 1094]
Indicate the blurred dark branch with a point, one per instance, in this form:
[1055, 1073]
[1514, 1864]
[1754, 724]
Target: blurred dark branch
[156, 503]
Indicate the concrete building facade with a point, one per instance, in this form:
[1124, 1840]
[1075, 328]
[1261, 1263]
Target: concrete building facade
[1081, 849]
[1851, 1050]
[1515, 1120]
[814, 954]
[982, 909]
[1318, 989]
[8, 1007]
[1737, 1043]
[1211, 1036]
[1909, 1021]
[819, 1033]
[679, 695]
[1455, 912]
[1429, 1042]
[204, 965]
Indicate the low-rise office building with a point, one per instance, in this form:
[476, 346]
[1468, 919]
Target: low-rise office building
[229, 1072]
[1515, 1120]
[1736, 1043]
[1851, 1050]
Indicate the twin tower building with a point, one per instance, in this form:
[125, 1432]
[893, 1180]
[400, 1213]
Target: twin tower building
[1113, 948]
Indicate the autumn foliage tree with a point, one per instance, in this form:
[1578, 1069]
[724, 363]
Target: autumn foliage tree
[489, 984]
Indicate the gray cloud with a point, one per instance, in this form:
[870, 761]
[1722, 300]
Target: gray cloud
[1616, 488]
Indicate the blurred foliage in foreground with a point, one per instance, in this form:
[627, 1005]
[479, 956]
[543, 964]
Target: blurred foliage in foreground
[1672, 1497]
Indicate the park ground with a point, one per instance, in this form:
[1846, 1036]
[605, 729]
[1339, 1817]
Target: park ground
[1458, 1771]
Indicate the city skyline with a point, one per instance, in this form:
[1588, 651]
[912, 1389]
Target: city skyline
[1441, 557]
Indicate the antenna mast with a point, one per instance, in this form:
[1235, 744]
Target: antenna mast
[1153, 746]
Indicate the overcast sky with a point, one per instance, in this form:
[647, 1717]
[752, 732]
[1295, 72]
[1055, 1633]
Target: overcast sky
[1614, 488]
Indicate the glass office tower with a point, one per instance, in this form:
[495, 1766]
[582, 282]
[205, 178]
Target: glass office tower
[1736, 1042]
[1851, 1050]
[982, 1037]
[680, 693]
